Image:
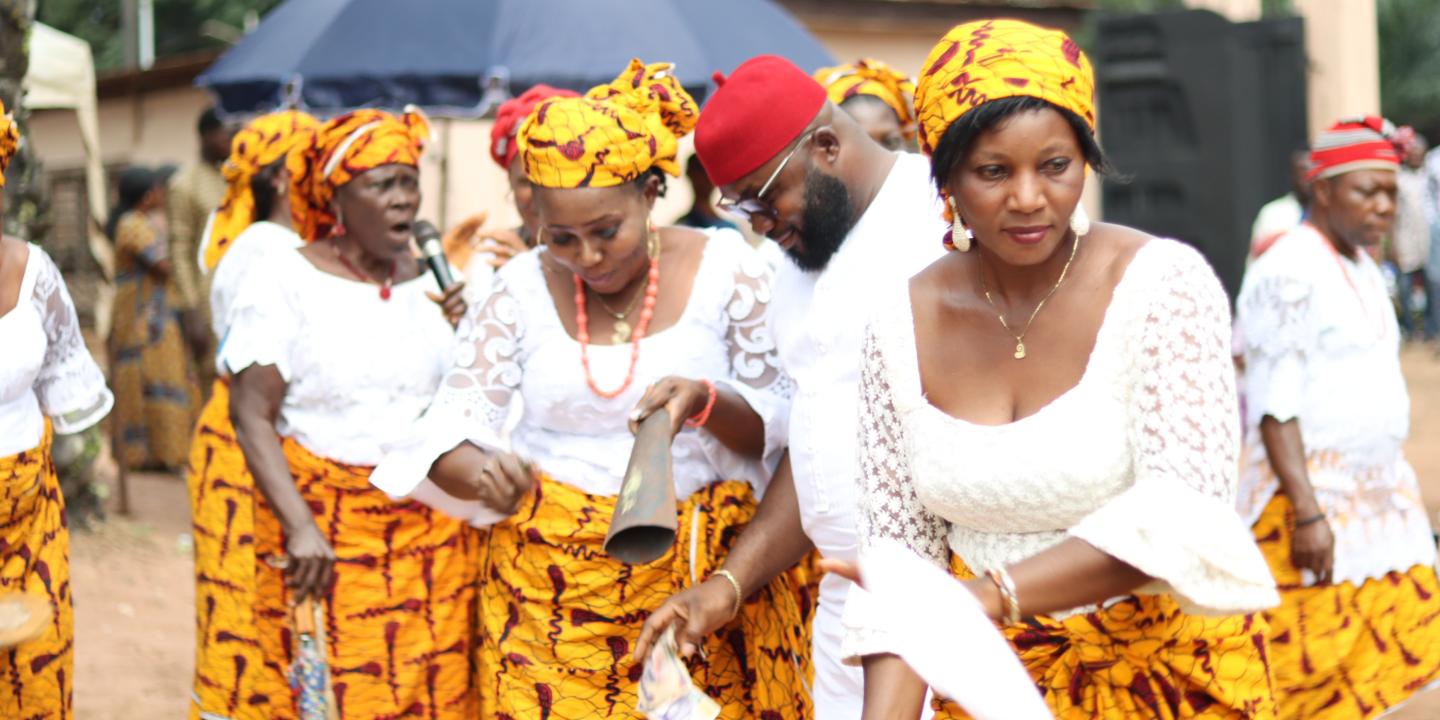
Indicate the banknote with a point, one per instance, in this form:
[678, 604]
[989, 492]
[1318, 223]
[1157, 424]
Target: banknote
[666, 690]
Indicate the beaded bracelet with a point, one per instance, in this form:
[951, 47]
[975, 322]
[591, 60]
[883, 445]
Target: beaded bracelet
[1309, 521]
[699, 419]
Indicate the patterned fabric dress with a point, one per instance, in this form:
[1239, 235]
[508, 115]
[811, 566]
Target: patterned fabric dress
[1322, 347]
[47, 380]
[156, 398]
[559, 616]
[1139, 462]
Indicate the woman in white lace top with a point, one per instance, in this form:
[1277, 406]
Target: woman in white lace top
[48, 382]
[611, 319]
[1054, 405]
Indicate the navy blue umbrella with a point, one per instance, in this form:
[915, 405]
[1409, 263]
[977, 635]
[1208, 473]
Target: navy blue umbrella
[330, 55]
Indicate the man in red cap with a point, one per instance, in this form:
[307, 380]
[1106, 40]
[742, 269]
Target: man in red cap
[497, 245]
[851, 216]
[1335, 507]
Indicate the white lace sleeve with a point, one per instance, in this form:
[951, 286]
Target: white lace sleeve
[70, 386]
[471, 405]
[1278, 333]
[1178, 522]
[889, 508]
[755, 372]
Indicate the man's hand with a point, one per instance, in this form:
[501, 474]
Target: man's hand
[695, 612]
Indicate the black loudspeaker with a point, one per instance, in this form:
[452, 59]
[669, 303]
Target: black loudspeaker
[1202, 115]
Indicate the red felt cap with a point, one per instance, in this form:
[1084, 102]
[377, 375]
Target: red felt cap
[509, 117]
[766, 103]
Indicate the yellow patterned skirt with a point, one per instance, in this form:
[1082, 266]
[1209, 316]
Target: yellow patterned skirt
[232, 679]
[400, 619]
[1345, 652]
[1144, 658]
[560, 617]
[36, 677]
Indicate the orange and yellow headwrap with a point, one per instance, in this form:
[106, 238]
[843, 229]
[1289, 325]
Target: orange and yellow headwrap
[265, 141]
[9, 141]
[876, 79]
[344, 148]
[613, 134]
[992, 59]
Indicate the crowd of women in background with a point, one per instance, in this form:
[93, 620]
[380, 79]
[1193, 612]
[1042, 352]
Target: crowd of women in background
[401, 491]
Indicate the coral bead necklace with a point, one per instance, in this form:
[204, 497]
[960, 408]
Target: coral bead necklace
[647, 312]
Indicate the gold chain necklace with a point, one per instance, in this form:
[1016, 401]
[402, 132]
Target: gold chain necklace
[1020, 339]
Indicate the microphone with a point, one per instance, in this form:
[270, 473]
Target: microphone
[428, 238]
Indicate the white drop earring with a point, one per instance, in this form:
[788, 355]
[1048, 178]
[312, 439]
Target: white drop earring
[960, 236]
[1080, 222]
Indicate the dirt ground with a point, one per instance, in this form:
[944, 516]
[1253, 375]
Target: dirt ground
[134, 592]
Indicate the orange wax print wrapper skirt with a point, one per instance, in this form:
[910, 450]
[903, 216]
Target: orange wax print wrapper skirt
[1341, 651]
[560, 617]
[36, 677]
[1141, 657]
[400, 618]
[232, 679]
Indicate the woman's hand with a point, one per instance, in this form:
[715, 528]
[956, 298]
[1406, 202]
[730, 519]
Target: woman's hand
[451, 302]
[683, 397]
[696, 612]
[503, 245]
[503, 481]
[1313, 548]
[309, 562]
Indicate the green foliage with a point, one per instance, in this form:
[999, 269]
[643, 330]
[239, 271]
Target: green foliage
[180, 25]
[1410, 62]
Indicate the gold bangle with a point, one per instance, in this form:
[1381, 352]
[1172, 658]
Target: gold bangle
[739, 594]
[1009, 599]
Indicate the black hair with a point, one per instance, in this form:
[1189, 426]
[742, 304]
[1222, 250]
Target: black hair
[135, 183]
[955, 144]
[262, 188]
[209, 121]
[644, 179]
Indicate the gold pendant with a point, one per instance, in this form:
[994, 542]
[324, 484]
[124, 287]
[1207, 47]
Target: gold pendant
[622, 332]
[1019, 351]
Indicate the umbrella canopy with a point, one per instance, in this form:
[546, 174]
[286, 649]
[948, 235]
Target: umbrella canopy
[338, 54]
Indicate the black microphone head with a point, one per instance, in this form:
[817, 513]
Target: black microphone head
[425, 230]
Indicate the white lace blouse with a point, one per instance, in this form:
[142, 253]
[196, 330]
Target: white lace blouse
[359, 369]
[1322, 346]
[514, 346]
[253, 249]
[1138, 459]
[45, 368]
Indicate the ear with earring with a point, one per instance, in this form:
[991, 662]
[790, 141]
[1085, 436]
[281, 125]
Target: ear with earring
[1080, 222]
[338, 229]
[652, 238]
[959, 237]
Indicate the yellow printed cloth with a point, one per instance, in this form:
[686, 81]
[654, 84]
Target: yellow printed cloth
[1141, 657]
[612, 135]
[999, 58]
[231, 677]
[560, 617]
[1341, 651]
[156, 394]
[344, 148]
[9, 141]
[266, 140]
[871, 77]
[35, 559]
[400, 618]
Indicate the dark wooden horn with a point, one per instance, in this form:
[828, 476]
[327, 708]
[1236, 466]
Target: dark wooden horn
[643, 526]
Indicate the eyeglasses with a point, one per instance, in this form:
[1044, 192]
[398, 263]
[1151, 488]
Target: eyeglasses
[748, 208]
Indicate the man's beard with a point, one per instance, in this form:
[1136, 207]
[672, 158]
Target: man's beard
[827, 219]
